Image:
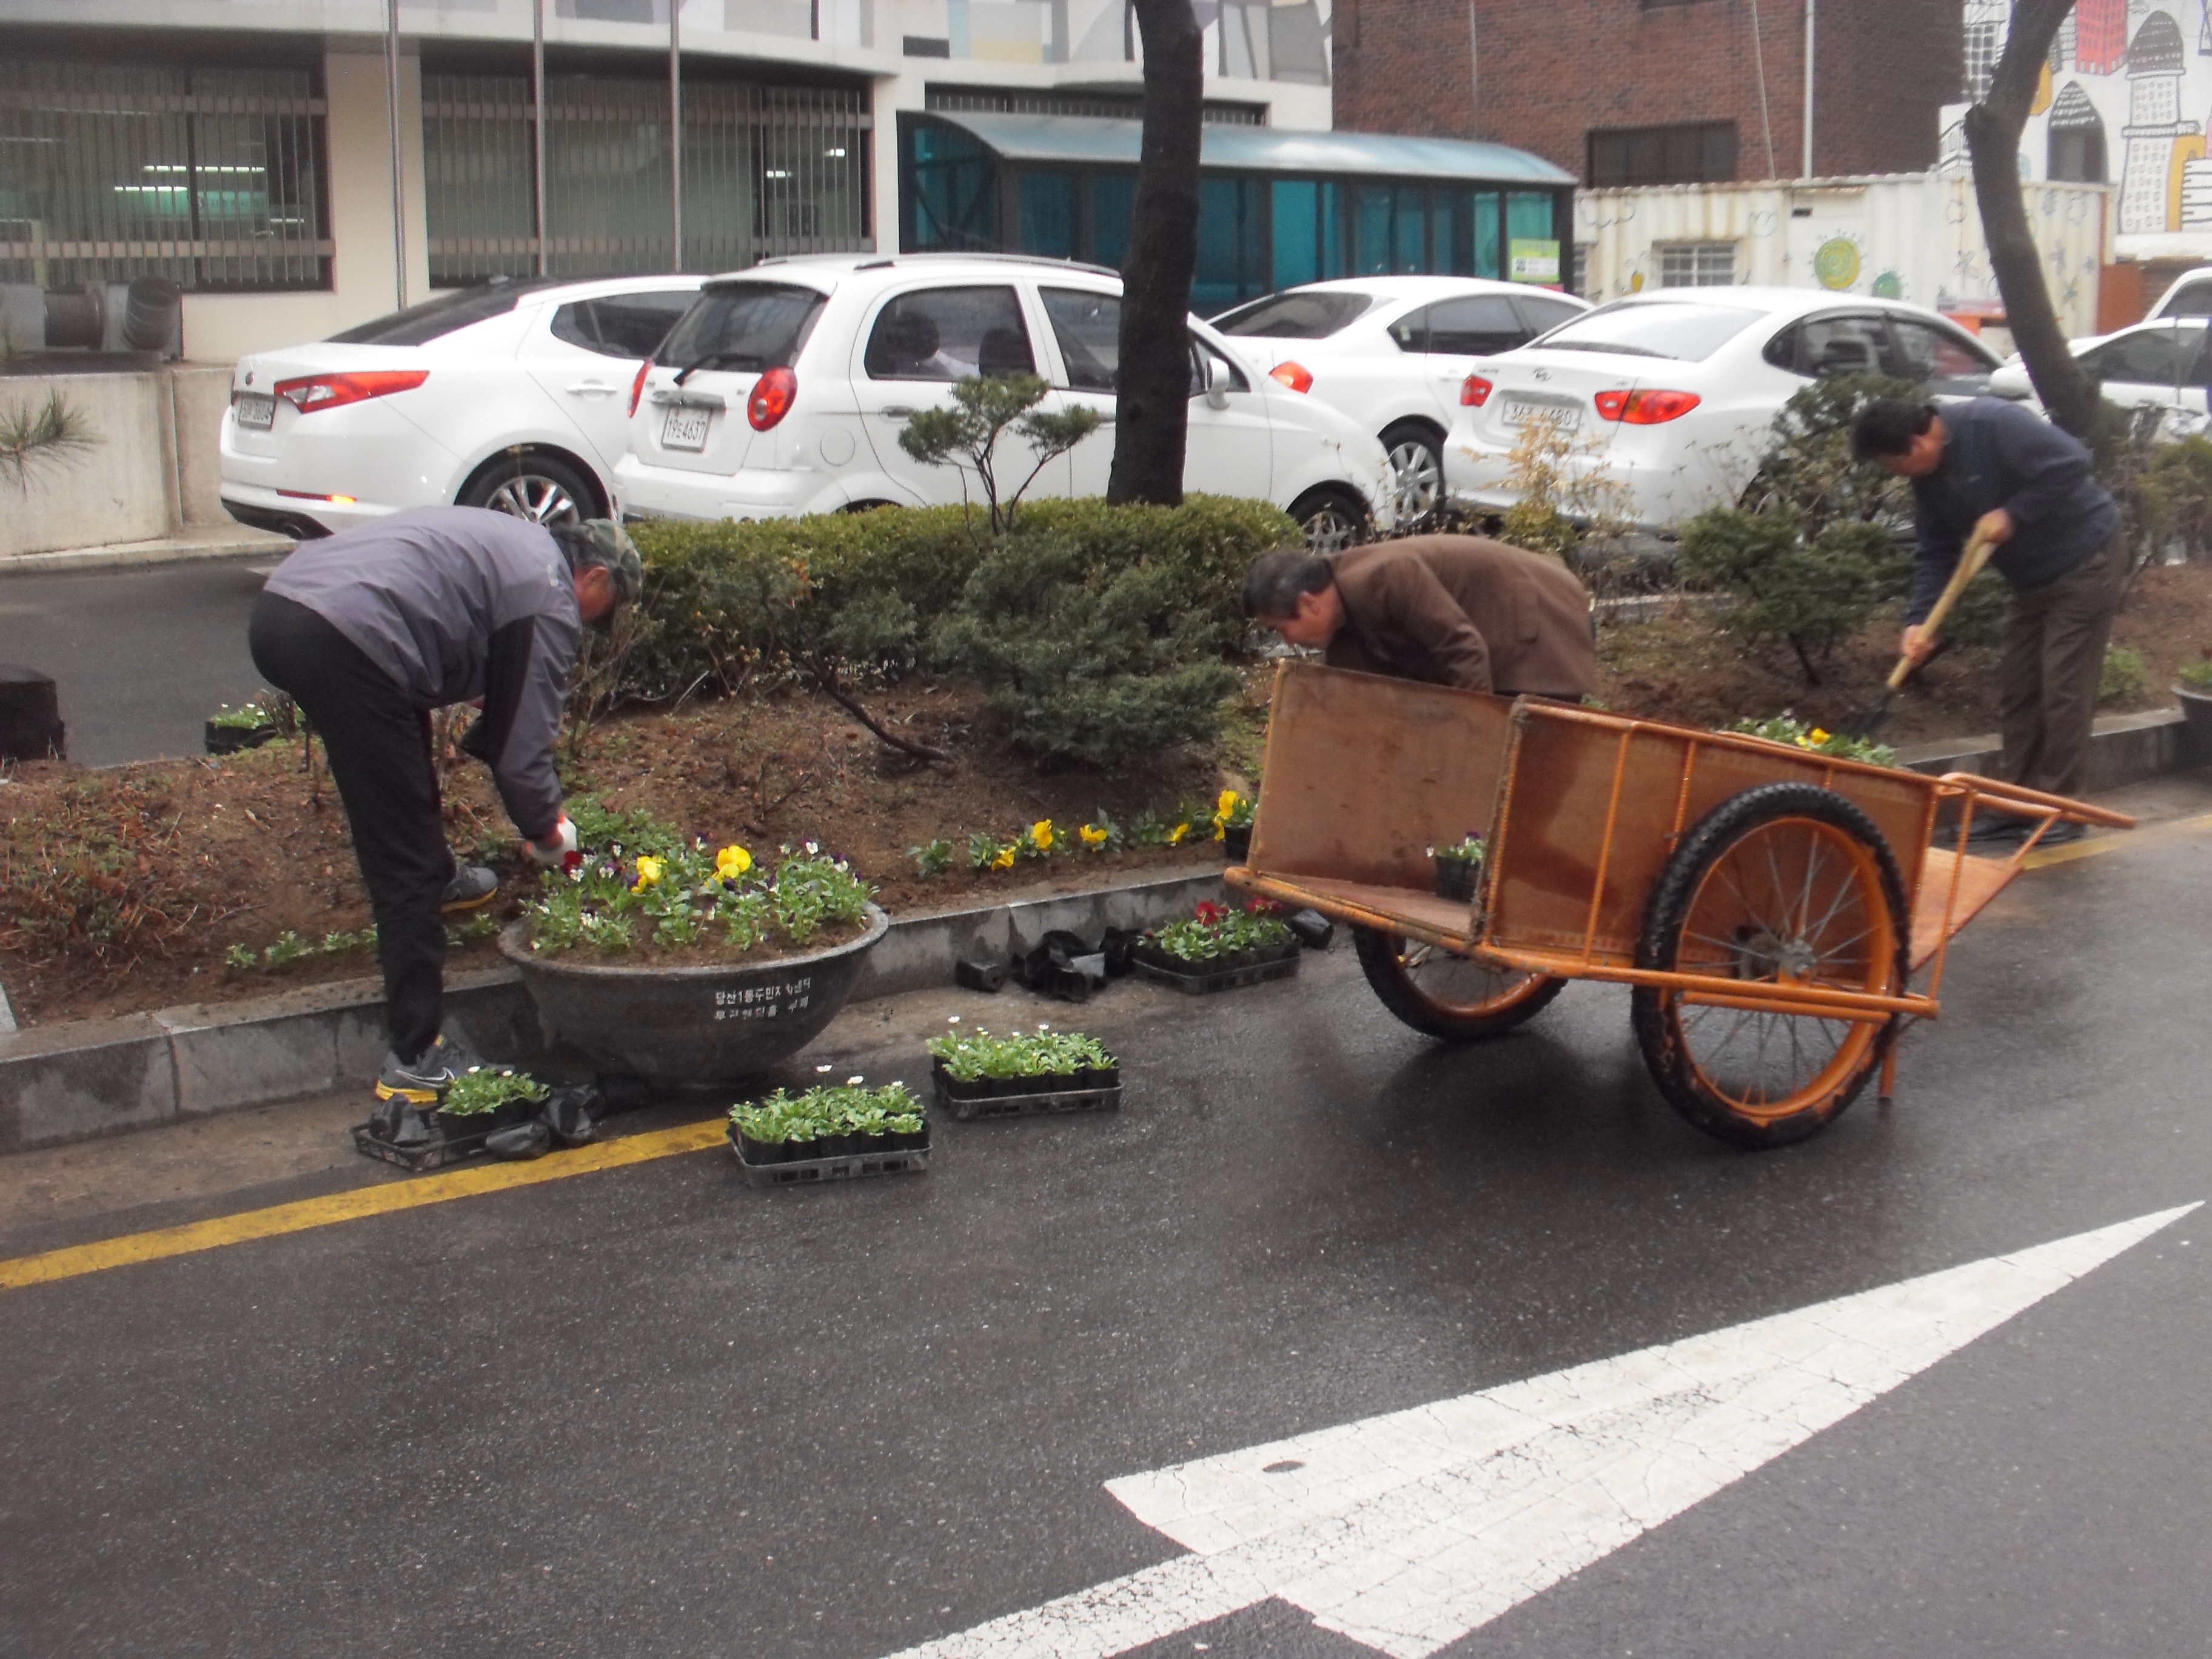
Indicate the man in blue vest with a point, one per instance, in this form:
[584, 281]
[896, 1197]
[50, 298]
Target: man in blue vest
[1997, 467]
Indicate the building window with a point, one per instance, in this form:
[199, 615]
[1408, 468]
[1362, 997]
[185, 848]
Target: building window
[767, 170]
[1581, 284]
[1983, 43]
[211, 177]
[2076, 138]
[1701, 153]
[1696, 265]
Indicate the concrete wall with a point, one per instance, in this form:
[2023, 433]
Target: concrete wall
[118, 490]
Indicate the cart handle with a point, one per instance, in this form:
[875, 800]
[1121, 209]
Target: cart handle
[2016, 796]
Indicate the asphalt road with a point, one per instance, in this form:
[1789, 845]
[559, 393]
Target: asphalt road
[142, 655]
[653, 1412]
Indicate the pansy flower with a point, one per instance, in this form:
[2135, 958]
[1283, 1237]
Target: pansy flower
[649, 871]
[731, 862]
[1092, 835]
[1040, 835]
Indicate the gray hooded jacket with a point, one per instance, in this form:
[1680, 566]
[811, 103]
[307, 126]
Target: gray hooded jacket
[456, 603]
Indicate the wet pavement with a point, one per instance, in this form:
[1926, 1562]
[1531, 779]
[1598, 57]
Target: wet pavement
[142, 656]
[652, 1411]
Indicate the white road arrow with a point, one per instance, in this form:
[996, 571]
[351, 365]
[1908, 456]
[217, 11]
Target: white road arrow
[1405, 1532]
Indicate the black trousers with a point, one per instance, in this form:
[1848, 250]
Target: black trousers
[378, 744]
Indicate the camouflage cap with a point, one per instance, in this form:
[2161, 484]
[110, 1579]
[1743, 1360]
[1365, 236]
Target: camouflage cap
[611, 545]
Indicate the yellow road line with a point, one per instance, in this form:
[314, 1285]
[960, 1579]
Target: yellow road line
[381, 1200]
[2119, 841]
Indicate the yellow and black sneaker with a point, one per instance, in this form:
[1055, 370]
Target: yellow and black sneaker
[471, 888]
[421, 1082]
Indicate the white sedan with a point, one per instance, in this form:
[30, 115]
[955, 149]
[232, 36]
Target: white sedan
[1666, 399]
[513, 395]
[1392, 353]
[785, 388]
[2155, 365]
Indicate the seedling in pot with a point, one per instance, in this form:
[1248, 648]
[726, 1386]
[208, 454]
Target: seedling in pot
[483, 1090]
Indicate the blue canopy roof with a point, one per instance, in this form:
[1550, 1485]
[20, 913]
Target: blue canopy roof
[1098, 141]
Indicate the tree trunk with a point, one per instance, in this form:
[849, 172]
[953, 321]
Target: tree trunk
[1993, 130]
[1153, 411]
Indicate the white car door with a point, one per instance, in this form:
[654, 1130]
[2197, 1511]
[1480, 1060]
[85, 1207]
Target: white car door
[1450, 334]
[2153, 366]
[1227, 451]
[585, 354]
[920, 341]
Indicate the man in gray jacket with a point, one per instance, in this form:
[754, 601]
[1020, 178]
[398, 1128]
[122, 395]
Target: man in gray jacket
[372, 629]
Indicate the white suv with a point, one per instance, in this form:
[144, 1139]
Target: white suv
[784, 389]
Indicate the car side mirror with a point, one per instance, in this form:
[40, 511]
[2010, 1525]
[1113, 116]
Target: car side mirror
[1217, 382]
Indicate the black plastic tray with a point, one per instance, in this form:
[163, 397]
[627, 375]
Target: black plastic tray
[852, 1166]
[1222, 979]
[1037, 1097]
[449, 1142]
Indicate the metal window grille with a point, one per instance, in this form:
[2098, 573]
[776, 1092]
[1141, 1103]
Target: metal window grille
[1015, 102]
[1698, 265]
[211, 177]
[767, 170]
[1983, 45]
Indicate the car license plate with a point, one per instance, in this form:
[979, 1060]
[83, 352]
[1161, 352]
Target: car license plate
[1519, 411]
[255, 412]
[686, 427]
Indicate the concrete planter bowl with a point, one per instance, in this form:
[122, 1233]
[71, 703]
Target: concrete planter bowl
[680, 1025]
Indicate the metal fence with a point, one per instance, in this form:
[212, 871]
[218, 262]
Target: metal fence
[767, 170]
[211, 177]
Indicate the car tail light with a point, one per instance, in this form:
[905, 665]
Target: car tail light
[1293, 375]
[637, 387]
[1474, 391]
[315, 392]
[1644, 408]
[772, 397]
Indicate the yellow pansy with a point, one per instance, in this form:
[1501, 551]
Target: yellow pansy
[1176, 835]
[1092, 837]
[1816, 736]
[1227, 804]
[732, 862]
[1040, 835]
[648, 872]
[1005, 861]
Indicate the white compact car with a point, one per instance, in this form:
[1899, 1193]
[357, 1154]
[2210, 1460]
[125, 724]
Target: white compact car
[1668, 398]
[513, 395]
[1392, 353]
[2156, 365]
[783, 390]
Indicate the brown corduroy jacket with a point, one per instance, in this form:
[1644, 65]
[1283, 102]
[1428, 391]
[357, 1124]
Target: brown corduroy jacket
[1466, 611]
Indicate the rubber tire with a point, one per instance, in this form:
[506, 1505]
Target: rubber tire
[1418, 432]
[1378, 960]
[503, 468]
[1656, 1032]
[1312, 503]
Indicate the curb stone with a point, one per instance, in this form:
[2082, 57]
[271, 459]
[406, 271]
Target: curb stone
[80, 1079]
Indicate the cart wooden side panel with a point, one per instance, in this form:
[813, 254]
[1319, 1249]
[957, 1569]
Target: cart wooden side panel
[1593, 805]
[1364, 775]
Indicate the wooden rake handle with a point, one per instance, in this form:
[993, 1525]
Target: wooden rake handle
[1976, 554]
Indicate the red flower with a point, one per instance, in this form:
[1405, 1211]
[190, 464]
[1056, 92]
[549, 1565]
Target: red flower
[1262, 907]
[1210, 913]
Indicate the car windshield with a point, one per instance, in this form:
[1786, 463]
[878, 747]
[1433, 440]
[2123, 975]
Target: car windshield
[746, 326]
[419, 323]
[1295, 316]
[1688, 333]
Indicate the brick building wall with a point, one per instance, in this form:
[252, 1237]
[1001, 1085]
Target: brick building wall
[1540, 74]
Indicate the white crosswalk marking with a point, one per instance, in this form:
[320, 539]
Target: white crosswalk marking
[1405, 1532]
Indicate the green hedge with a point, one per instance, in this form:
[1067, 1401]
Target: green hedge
[725, 601]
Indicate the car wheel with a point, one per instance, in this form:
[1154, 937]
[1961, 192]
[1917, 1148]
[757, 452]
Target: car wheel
[1416, 460]
[537, 487]
[1333, 518]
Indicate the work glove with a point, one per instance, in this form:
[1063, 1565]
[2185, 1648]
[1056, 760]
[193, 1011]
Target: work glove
[558, 851]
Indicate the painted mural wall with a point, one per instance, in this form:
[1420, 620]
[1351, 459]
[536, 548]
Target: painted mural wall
[2126, 96]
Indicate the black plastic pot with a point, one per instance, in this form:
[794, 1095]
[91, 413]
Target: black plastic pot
[805, 1163]
[1221, 973]
[233, 739]
[1236, 842]
[689, 1025]
[1454, 877]
[1093, 1089]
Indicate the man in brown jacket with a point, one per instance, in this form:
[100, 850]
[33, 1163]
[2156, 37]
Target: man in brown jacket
[1451, 609]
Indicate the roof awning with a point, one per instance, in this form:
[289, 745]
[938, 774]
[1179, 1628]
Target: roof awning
[1097, 141]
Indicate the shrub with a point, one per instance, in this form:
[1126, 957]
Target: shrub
[2197, 676]
[1807, 468]
[2123, 676]
[1812, 593]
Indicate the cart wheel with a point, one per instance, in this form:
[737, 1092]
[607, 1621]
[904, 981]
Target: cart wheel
[1784, 884]
[1448, 996]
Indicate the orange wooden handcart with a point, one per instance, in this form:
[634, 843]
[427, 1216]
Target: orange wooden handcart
[1769, 906]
